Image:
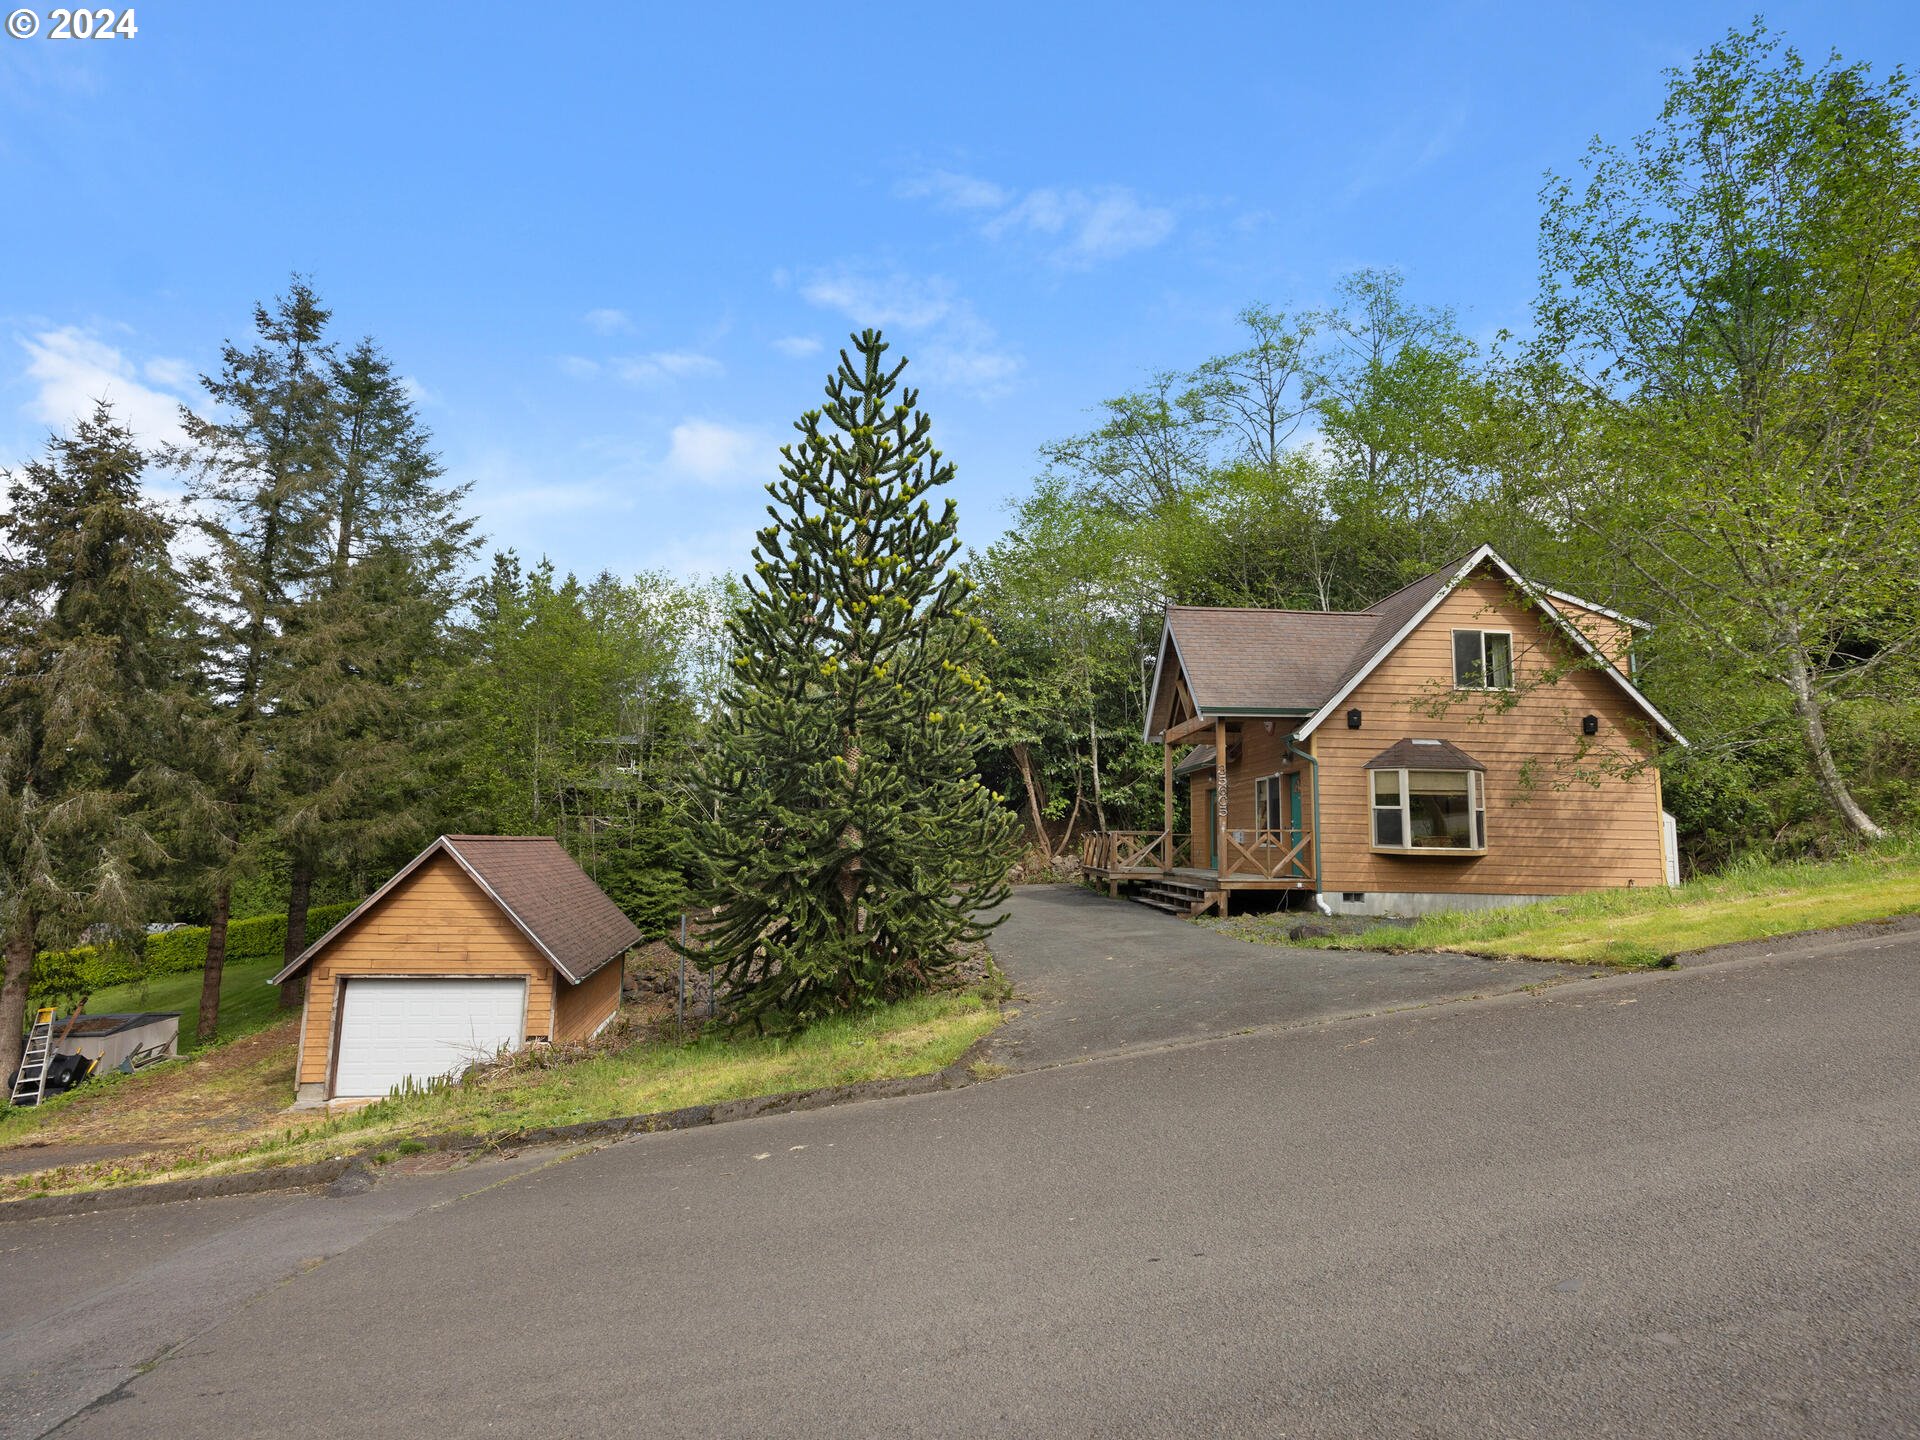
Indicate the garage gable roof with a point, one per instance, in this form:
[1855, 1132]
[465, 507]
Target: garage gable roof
[539, 887]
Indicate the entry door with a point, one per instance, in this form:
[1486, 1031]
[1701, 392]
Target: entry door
[392, 1031]
[1213, 830]
[1291, 783]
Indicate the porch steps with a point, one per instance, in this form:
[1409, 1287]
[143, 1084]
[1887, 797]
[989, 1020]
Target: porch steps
[1184, 898]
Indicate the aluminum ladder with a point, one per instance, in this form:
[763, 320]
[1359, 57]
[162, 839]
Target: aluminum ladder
[30, 1085]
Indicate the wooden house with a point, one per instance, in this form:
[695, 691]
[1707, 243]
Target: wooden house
[1471, 739]
[481, 943]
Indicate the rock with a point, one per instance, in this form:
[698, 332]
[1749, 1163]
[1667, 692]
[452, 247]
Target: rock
[1309, 932]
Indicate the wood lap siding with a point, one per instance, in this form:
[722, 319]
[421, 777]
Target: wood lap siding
[1567, 835]
[579, 1009]
[435, 922]
[1609, 636]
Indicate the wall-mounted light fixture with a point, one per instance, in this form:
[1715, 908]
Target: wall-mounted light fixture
[1353, 719]
[1589, 724]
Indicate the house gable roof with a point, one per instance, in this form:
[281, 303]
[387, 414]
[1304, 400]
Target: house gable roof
[1437, 587]
[537, 885]
[1306, 662]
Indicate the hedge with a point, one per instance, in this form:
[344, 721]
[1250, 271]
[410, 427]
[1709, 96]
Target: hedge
[184, 950]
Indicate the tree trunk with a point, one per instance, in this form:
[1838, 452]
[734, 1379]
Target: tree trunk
[1023, 761]
[299, 896]
[850, 839]
[1813, 730]
[1073, 818]
[216, 962]
[1099, 805]
[13, 994]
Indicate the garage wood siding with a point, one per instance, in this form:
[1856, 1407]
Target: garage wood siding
[579, 1010]
[435, 922]
[1554, 841]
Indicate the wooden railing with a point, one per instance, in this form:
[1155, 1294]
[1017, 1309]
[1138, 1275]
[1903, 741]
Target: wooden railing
[1260, 854]
[1269, 854]
[1137, 852]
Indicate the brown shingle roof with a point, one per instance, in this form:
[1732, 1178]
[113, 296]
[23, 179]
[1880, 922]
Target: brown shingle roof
[1287, 660]
[1277, 660]
[552, 899]
[543, 891]
[1197, 759]
[1423, 755]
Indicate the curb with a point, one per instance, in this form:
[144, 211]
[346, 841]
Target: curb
[352, 1174]
[247, 1182]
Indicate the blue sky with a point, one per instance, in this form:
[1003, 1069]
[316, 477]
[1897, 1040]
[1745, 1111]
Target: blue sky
[613, 246]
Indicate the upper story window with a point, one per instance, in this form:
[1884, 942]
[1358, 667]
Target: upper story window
[1483, 659]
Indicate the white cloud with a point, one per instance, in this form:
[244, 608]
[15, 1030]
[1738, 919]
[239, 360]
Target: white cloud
[1091, 225]
[1079, 225]
[579, 367]
[710, 453]
[955, 192]
[797, 347]
[169, 374]
[608, 322]
[664, 365]
[71, 368]
[954, 345]
[894, 298]
[508, 495]
[1405, 150]
[701, 555]
[417, 393]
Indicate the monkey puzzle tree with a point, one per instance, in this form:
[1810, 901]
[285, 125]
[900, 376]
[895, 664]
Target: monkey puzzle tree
[844, 837]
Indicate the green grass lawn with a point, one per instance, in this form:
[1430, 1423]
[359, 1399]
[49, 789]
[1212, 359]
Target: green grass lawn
[247, 1001]
[1638, 928]
[541, 1088]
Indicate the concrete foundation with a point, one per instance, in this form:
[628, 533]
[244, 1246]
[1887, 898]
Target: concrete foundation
[1403, 904]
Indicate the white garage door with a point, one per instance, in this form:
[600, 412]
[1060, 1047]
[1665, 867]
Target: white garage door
[395, 1030]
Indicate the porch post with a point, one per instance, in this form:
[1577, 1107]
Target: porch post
[1220, 799]
[1166, 803]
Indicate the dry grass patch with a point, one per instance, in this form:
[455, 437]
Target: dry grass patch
[626, 1074]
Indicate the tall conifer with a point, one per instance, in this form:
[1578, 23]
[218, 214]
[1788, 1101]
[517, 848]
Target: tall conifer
[362, 639]
[261, 467]
[90, 612]
[846, 841]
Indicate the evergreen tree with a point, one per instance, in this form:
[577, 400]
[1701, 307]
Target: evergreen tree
[261, 471]
[364, 639]
[843, 835]
[90, 611]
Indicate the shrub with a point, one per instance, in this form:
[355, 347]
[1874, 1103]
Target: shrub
[85, 968]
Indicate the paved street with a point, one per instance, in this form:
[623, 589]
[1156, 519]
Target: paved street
[1681, 1203]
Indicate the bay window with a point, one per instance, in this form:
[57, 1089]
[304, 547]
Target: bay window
[1429, 810]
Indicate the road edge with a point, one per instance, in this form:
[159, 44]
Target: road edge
[353, 1174]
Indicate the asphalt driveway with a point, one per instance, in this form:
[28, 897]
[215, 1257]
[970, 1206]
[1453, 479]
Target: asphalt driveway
[1097, 976]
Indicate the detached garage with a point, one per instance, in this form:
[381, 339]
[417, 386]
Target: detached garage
[482, 943]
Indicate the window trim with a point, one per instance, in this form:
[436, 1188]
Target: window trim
[1476, 809]
[1261, 802]
[1486, 670]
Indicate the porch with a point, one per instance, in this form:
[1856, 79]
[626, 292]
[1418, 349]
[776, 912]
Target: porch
[1157, 867]
[1190, 871]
